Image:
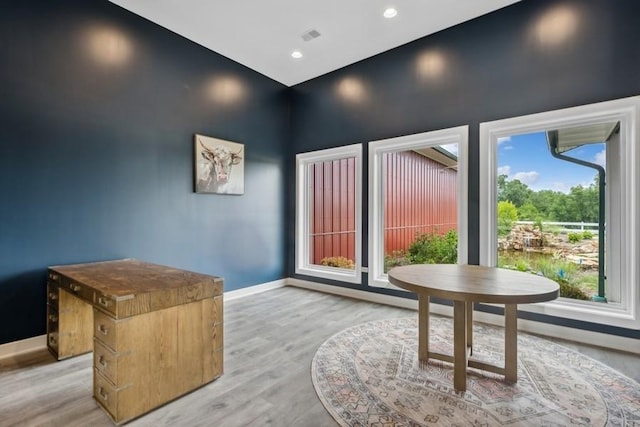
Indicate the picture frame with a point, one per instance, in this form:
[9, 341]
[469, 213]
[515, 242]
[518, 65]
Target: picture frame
[218, 166]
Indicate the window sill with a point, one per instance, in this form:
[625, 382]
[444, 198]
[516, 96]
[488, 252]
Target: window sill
[332, 273]
[610, 314]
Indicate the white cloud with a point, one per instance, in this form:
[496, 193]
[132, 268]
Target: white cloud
[504, 139]
[504, 170]
[565, 187]
[508, 147]
[600, 158]
[527, 178]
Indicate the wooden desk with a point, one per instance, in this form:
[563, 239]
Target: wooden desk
[155, 331]
[466, 284]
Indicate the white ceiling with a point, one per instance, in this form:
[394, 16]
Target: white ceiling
[261, 34]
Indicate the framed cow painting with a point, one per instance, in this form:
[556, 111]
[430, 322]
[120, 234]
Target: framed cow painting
[219, 166]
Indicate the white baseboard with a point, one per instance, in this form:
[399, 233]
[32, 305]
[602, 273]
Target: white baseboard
[599, 339]
[15, 348]
[355, 293]
[252, 290]
[615, 342]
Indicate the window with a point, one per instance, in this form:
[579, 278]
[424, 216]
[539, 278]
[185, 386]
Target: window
[566, 133]
[328, 215]
[417, 187]
[553, 210]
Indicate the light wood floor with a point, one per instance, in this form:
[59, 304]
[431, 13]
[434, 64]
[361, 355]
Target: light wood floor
[270, 339]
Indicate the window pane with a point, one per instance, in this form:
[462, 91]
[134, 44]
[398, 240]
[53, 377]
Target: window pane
[616, 147]
[333, 226]
[420, 205]
[550, 213]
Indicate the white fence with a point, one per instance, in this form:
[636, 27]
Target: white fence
[568, 226]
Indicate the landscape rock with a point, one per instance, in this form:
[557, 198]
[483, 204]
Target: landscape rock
[529, 238]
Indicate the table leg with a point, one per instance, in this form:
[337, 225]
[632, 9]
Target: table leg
[423, 328]
[470, 327]
[459, 345]
[511, 343]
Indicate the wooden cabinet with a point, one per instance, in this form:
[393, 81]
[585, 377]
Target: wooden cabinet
[156, 332]
[69, 323]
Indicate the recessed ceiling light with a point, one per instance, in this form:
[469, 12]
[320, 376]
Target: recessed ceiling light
[390, 12]
[296, 54]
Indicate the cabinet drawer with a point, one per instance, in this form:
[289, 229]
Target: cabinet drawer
[105, 302]
[105, 361]
[78, 289]
[105, 394]
[105, 329]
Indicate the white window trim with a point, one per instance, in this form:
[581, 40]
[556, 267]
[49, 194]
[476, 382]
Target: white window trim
[627, 111]
[458, 135]
[303, 206]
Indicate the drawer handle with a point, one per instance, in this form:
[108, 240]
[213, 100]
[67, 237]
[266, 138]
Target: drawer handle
[102, 362]
[52, 339]
[53, 277]
[104, 395]
[53, 296]
[53, 318]
[75, 288]
[104, 302]
[103, 329]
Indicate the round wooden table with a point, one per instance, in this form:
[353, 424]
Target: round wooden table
[466, 284]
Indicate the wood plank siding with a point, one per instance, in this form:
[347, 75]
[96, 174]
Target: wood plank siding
[334, 221]
[420, 196]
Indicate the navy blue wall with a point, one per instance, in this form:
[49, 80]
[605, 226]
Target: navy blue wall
[96, 153]
[533, 56]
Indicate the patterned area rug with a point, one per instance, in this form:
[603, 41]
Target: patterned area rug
[368, 375]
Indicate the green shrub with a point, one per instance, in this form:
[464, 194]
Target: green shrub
[564, 273]
[507, 215]
[395, 259]
[586, 235]
[432, 248]
[569, 290]
[338, 261]
[522, 265]
[574, 237]
[573, 281]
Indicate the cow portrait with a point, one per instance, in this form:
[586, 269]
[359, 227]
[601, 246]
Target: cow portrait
[219, 166]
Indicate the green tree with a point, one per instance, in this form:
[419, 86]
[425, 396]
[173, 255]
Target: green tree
[528, 212]
[580, 204]
[513, 191]
[560, 208]
[544, 200]
[507, 215]
[584, 202]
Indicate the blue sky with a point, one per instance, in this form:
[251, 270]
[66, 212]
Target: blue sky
[527, 158]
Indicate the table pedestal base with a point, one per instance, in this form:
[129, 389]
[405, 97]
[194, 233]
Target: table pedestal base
[463, 342]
